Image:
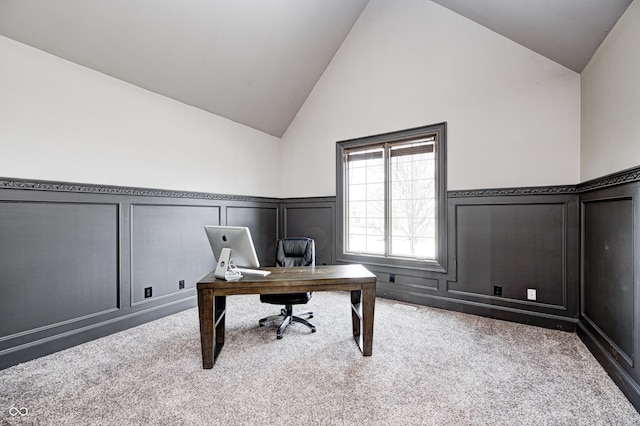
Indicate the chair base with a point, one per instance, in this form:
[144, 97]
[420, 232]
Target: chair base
[287, 317]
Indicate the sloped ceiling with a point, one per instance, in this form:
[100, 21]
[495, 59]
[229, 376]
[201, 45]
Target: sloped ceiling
[251, 61]
[256, 61]
[566, 31]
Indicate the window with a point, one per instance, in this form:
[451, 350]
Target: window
[391, 198]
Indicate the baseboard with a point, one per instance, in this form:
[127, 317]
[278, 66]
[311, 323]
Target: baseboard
[52, 344]
[622, 379]
[503, 313]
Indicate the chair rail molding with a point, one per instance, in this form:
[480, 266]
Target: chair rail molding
[37, 185]
[625, 176]
[499, 192]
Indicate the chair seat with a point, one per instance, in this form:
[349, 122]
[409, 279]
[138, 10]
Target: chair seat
[286, 299]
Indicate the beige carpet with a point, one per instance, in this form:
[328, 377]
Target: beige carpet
[429, 366]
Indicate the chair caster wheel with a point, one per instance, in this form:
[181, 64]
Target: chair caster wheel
[310, 316]
[313, 330]
[260, 325]
[279, 337]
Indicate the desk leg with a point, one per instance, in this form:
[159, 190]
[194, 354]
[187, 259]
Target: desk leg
[220, 314]
[362, 310]
[356, 296]
[368, 310]
[205, 310]
[211, 332]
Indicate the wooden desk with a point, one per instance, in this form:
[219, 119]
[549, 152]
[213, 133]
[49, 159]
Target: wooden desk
[212, 299]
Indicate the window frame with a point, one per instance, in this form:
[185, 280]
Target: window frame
[440, 263]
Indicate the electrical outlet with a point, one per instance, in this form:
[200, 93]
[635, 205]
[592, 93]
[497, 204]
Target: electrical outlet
[531, 294]
[497, 290]
[147, 292]
[180, 284]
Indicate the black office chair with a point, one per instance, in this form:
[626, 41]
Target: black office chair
[291, 252]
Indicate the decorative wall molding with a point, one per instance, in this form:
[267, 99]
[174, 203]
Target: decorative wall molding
[625, 176]
[331, 199]
[619, 178]
[497, 192]
[36, 185]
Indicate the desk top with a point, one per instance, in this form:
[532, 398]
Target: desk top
[299, 275]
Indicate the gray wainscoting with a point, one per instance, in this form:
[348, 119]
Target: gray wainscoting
[167, 246]
[75, 260]
[609, 321]
[512, 239]
[262, 221]
[56, 253]
[314, 218]
[516, 244]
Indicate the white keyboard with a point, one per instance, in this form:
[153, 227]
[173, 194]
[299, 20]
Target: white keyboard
[253, 272]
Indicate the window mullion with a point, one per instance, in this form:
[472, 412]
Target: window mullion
[347, 201]
[387, 200]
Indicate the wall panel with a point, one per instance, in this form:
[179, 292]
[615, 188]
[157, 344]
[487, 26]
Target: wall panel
[608, 290]
[609, 322]
[314, 219]
[58, 263]
[514, 246]
[262, 222]
[168, 244]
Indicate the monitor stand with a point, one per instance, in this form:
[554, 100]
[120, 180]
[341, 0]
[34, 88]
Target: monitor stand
[223, 263]
[222, 268]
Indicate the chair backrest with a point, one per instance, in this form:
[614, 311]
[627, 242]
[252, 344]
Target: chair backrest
[296, 251]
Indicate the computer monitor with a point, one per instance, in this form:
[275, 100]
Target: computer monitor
[231, 245]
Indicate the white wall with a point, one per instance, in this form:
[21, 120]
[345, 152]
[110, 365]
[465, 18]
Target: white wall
[611, 101]
[61, 121]
[513, 116]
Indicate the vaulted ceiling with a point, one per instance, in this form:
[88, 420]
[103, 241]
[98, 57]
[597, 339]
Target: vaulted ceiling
[566, 31]
[256, 61]
[251, 61]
